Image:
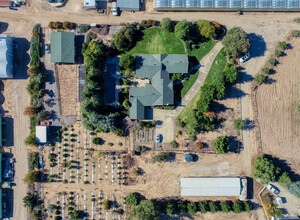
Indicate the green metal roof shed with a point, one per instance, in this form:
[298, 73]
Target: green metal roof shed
[62, 47]
[131, 5]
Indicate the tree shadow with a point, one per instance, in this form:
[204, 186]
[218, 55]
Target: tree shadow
[21, 58]
[218, 107]
[269, 80]
[8, 131]
[249, 124]
[234, 144]
[258, 45]
[233, 92]
[243, 76]
[3, 27]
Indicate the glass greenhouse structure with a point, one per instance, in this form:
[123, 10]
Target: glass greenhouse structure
[227, 4]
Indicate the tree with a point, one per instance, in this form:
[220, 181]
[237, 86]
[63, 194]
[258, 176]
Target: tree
[174, 144]
[199, 145]
[192, 208]
[68, 25]
[225, 206]
[124, 38]
[30, 111]
[294, 188]
[231, 74]
[167, 24]
[119, 132]
[133, 199]
[266, 70]
[33, 71]
[222, 144]
[248, 206]
[30, 200]
[31, 140]
[272, 61]
[127, 62]
[238, 206]
[298, 108]
[203, 207]
[236, 42]
[206, 28]
[97, 141]
[146, 210]
[283, 45]
[260, 79]
[213, 208]
[264, 169]
[183, 29]
[170, 209]
[238, 124]
[181, 207]
[284, 178]
[31, 177]
[278, 53]
[33, 160]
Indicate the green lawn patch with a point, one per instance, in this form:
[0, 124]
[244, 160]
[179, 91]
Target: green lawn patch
[216, 68]
[202, 49]
[157, 41]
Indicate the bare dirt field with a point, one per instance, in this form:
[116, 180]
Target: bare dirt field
[68, 88]
[278, 117]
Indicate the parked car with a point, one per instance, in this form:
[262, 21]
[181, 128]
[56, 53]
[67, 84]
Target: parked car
[188, 157]
[272, 189]
[47, 48]
[45, 123]
[158, 138]
[244, 58]
[41, 162]
[115, 9]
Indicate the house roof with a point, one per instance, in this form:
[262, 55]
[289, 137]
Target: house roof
[129, 4]
[156, 67]
[41, 134]
[210, 186]
[62, 47]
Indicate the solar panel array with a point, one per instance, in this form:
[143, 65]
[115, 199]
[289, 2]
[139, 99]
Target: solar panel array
[289, 4]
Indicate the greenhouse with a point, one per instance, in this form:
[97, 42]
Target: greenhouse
[227, 4]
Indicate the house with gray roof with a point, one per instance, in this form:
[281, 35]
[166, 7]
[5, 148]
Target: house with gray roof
[62, 47]
[157, 68]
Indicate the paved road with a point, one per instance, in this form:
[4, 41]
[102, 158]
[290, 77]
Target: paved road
[167, 128]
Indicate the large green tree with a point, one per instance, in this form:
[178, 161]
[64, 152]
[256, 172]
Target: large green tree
[124, 38]
[133, 199]
[294, 188]
[236, 42]
[264, 169]
[167, 24]
[183, 30]
[127, 62]
[31, 177]
[30, 200]
[146, 210]
[206, 28]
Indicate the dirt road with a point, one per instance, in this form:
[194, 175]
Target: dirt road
[266, 28]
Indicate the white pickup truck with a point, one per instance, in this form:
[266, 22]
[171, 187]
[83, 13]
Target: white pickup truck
[115, 9]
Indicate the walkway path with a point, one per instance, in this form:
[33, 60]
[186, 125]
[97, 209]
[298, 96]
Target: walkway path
[167, 117]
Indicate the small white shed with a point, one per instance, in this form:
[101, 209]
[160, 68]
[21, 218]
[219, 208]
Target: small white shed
[41, 134]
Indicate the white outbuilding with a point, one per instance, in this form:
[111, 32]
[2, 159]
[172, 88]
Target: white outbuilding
[41, 134]
[210, 186]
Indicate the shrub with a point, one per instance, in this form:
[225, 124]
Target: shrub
[106, 205]
[31, 177]
[199, 145]
[192, 208]
[97, 141]
[295, 33]
[178, 133]
[31, 140]
[284, 178]
[264, 169]
[83, 28]
[30, 200]
[119, 132]
[68, 25]
[294, 188]
[298, 108]
[278, 53]
[213, 208]
[266, 70]
[282, 45]
[170, 209]
[238, 124]
[145, 210]
[180, 124]
[236, 42]
[133, 199]
[135, 172]
[110, 144]
[222, 144]
[160, 157]
[127, 62]
[260, 79]
[230, 74]
[203, 207]
[248, 206]
[167, 24]
[225, 206]
[272, 61]
[174, 144]
[238, 206]
[120, 144]
[36, 28]
[33, 160]
[297, 20]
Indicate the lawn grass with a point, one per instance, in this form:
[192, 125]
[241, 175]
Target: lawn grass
[157, 41]
[202, 49]
[216, 68]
